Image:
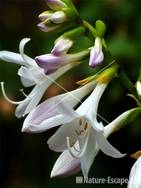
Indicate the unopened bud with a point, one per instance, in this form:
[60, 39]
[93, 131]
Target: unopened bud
[56, 4]
[58, 17]
[62, 45]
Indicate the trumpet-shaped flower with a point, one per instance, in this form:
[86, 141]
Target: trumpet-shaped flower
[67, 165]
[83, 128]
[135, 175]
[31, 74]
[96, 55]
[46, 115]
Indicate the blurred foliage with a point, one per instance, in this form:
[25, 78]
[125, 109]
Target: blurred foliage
[26, 161]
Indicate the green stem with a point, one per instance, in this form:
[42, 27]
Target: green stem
[90, 28]
[127, 83]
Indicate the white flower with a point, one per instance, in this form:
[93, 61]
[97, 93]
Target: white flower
[67, 165]
[31, 74]
[83, 128]
[46, 115]
[135, 175]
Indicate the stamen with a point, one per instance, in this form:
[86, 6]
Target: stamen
[79, 132]
[81, 153]
[86, 126]
[7, 98]
[24, 94]
[80, 121]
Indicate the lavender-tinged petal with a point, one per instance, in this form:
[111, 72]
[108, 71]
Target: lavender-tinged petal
[65, 165]
[49, 62]
[96, 57]
[61, 46]
[43, 27]
[46, 116]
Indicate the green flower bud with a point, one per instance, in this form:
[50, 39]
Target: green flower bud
[101, 28]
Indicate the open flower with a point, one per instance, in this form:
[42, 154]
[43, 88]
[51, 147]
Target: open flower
[83, 128]
[135, 175]
[31, 75]
[96, 55]
[46, 115]
[67, 165]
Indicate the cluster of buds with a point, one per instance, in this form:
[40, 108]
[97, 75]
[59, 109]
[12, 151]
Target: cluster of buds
[60, 55]
[61, 12]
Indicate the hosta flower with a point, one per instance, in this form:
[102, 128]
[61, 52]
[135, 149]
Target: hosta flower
[83, 128]
[96, 54]
[135, 175]
[67, 165]
[46, 115]
[31, 74]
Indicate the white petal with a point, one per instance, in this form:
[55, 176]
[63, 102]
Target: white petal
[66, 110]
[90, 105]
[28, 61]
[58, 142]
[135, 175]
[11, 57]
[106, 147]
[31, 101]
[20, 110]
[94, 99]
[65, 165]
[26, 76]
[90, 153]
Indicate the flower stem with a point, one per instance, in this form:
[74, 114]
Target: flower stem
[127, 82]
[90, 28]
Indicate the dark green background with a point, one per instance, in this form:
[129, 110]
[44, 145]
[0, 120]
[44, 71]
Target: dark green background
[26, 161]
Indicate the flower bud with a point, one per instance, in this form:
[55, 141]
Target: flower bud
[49, 62]
[96, 54]
[45, 15]
[62, 45]
[43, 27]
[58, 17]
[100, 28]
[56, 4]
